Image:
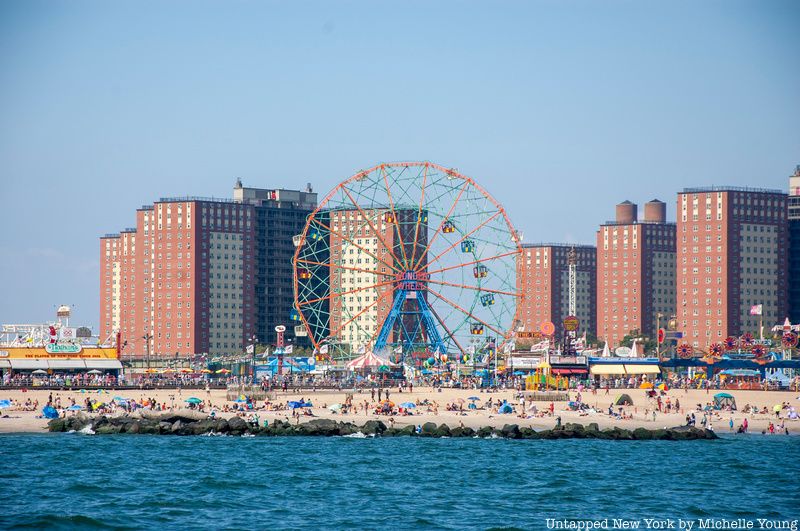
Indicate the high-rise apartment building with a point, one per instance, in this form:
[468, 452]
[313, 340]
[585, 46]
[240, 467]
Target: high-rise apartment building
[794, 246]
[732, 262]
[279, 215]
[635, 272]
[543, 279]
[185, 281]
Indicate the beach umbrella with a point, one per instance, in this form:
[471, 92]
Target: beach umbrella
[5, 403]
[75, 407]
[185, 370]
[408, 405]
[473, 398]
[94, 371]
[39, 371]
[151, 371]
[50, 412]
[335, 407]
[294, 404]
[646, 385]
[384, 368]
[663, 387]
[193, 400]
[167, 370]
[240, 400]
[206, 371]
[223, 371]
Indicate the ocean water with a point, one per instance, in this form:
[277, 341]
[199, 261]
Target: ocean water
[75, 481]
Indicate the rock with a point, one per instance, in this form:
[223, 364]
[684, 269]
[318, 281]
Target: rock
[348, 428]
[593, 426]
[428, 429]
[326, 427]
[57, 425]
[485, 431]
[133, 427]
[642, 434]
[373, 427]
[442, 431]
[510, 431]
[237, 425]
[467, 432]
[164, 427]
[149, 427]
[571, 426]
[407, 431]
[107, 429]
[528, 433]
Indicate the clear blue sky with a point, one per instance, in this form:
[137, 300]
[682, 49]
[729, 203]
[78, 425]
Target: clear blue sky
[560, 108]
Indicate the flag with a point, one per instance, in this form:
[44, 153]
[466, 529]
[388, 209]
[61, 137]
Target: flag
[323, 349]
[362, 349]
[508, 347]
[399, 350]
[756, 309]
[250, 349]
[288, 350]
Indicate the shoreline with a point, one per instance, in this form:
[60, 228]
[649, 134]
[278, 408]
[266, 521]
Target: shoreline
[638, 415]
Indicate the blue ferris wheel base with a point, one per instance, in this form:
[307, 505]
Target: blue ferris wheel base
[418, 317]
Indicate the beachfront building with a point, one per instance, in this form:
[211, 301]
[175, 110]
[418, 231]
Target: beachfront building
[369, 248]
[635, 272]
[185, 280]
[543, 279]
[732, 262]
[794, 246]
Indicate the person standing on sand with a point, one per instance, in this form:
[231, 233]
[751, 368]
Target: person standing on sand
[730, 423]
[372, 394]
[654, 415]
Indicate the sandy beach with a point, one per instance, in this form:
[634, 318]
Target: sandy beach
[15, 420]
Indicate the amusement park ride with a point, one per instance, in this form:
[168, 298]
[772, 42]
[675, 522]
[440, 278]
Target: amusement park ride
[407, 259]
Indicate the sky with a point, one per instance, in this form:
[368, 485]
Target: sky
[561, 109]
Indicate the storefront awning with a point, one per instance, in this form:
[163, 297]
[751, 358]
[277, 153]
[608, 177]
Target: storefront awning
[5, 364]
[28, 363]
[66, 363]
[103, 364]
[623, 369]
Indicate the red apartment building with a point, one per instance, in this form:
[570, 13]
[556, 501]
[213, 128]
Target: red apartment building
[635, 272]
[732, 255]
[543, 278]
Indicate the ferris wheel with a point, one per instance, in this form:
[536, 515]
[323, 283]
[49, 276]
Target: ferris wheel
[407, 259]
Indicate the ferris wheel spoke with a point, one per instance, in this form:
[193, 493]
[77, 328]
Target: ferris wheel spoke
[337, 233]
[474, 288]
[469, 314]
[464, 237]
[361, 312]
[439, 228]
[343, 293]
[419, 213]
[481, 260]
[371, 226]
[338, 266]
[450, 334]
[395, 220]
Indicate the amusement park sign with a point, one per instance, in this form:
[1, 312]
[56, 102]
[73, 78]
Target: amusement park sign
[55, 348]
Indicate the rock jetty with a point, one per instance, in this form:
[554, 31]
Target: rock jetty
[181, 424]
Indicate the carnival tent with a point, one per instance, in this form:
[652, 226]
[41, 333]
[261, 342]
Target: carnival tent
[366, 361]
